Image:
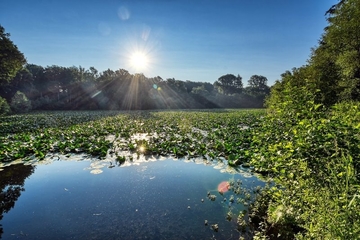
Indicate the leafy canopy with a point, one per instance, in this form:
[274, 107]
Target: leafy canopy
[11, 59]
[332, 73]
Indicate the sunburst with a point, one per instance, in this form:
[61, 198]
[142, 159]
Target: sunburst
[139, 60]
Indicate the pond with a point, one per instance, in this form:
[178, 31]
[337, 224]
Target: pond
[87, 199]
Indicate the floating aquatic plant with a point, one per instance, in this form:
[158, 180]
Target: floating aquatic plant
[208, 134]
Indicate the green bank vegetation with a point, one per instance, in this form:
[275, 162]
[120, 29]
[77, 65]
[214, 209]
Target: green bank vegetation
[309, 141]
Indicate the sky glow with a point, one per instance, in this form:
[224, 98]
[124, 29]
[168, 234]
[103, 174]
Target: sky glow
[139, 61]
[195, 40]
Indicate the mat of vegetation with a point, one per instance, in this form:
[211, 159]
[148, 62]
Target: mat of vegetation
[212, 134]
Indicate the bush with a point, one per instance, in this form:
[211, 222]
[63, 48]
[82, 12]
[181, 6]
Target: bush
[314, 155]
[20, 103]
[4, 107]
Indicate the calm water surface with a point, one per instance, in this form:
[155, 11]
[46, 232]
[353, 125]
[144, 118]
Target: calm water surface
[152, 200]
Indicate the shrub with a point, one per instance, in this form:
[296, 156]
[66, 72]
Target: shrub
[314, 155]
[20, 103]
[4, 107]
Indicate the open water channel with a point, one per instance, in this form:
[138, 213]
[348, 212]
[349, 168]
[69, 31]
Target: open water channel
[87, 199]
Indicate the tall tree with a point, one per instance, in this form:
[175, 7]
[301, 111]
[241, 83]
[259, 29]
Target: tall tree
[11, 59]
[229, 84]
[93, 74]
[257, 85]
[106, 76]
[333, 70]
[39, 80]
[334, 66]
[257, 81]
[23, 81]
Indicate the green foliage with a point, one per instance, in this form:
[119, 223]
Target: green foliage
[229, 84]
[20, 103]
[4, 107]
[257, 85]
[342, 40]
[333, 70]
[120, 159]
[311, 146]
[269, 219]
[310, 141]
[200, 90]
[314, 154]
[11, 59]
[217, 135]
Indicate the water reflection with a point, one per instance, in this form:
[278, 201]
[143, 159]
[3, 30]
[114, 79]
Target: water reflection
[154, 200]
[12, 181]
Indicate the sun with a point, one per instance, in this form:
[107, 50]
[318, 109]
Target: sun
[139, 60]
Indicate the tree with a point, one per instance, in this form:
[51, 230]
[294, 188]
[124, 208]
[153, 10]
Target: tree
[257, 85]
[334, 66]
[93, 74]
[106, 76]
[23, 81]
[257, 81]
[20, 103]
[333, 70]
[4, 107]
[293, 90]
[200, 90]
[39, 80]
[229, 84]
[11, 59]
[176, 85]
[341, 44]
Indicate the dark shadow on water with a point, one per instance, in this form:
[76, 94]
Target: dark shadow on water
[12, 181]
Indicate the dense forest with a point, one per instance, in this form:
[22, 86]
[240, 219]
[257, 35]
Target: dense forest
[25, 87]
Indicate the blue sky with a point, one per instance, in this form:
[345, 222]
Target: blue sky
[185, 40]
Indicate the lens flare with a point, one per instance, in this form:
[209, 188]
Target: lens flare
[123, 13]
[223, 187]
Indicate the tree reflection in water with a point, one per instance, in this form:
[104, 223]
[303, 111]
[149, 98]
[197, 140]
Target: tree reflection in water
[12, 181]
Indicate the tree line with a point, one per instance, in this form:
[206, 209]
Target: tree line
[332, 73]
[25, 87]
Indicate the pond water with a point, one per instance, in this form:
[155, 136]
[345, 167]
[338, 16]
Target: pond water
[149, 200]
